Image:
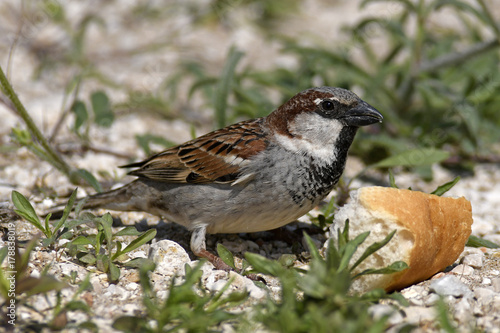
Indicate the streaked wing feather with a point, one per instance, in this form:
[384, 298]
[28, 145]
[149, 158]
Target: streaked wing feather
[215, 157]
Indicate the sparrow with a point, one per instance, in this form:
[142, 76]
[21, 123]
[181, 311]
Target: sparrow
[252, 176]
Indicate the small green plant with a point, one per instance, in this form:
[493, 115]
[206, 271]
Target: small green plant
[18, 288]
[188, 306]
[102, 249]
[52, 233]
[318, 299]
[102, 115]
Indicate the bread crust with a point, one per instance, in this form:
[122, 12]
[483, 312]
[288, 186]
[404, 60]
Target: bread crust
[438, 227]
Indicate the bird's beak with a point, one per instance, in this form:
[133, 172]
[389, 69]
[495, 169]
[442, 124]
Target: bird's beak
[362, 114]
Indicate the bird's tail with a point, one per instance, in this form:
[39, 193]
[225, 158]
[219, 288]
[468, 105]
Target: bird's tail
[118, 199]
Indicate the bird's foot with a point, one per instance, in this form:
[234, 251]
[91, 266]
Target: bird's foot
[221, 265]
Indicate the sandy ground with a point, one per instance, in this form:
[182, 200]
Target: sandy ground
[118, 51]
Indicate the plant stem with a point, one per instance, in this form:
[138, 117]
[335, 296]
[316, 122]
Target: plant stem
[57, 161]
[457, 58]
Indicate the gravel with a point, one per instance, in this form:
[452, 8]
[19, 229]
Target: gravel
[471, 287]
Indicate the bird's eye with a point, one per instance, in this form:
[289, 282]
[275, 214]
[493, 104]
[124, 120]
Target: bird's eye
[327, 105]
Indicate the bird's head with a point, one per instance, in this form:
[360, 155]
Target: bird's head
[319, 118]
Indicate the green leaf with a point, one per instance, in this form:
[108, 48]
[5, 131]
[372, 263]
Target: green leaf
[264, 265]
[350, 249]
[139, 241]
[445, 187]
[66, 211]
[89, 178]
[287, 260]
[3, 254]
[26, 211]
[80, 240]
[395, 267]
[49, 232]
[107, 223]
[312, 248]
[225, 255]
[392, 181]
[102, 109]
[131, 324]
[113, 273]
[413, 158]
[128, 231]
[87, 258]
[373, 248]
[475, 241]
[81, 114]
[34, 286]
[224, 85]
[138, 262]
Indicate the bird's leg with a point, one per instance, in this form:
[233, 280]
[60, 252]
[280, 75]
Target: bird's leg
[198, 246]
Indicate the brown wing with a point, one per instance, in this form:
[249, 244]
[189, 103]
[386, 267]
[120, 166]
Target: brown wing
[215, 157]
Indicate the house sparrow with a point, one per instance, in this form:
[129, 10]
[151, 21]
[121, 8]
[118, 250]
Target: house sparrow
[252, 176]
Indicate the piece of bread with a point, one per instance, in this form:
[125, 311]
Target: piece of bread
[431, 233]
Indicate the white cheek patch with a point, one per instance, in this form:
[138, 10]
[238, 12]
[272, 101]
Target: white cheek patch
[315, 136]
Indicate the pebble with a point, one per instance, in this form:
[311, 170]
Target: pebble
[463, 270]
[419, 314]
[377, 311]
[495, 284]
[243, 283]
[450, 285]
[474, 260]
[484, 295]
[463, 310]
[169, 257]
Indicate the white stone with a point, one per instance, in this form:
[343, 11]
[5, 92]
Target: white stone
[464, 270]
[377, 311]
[130, 308]
[463, 311]
[244, 283]
[450, 285]
[419, 314]
[432, 299]
[484, 295]
[495, 283]
[474, 260]
[486, 281]
[169, 257]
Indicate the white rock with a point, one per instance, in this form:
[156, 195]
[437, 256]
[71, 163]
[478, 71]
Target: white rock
[132, 286]
[432, 299]
[486, 281]
[463, 270]
[415, 292]
[419, 314]
[35, 273]
[243, 283]
[377, 311]
[61, 242]
[130, 308]
[484, 295]
[495, 283]
[216, 286]
[450, 285]
[96, 284]
[474, 260]
[169, 257]
[463, 311]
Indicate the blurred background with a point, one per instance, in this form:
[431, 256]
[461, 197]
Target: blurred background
[107, 79]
